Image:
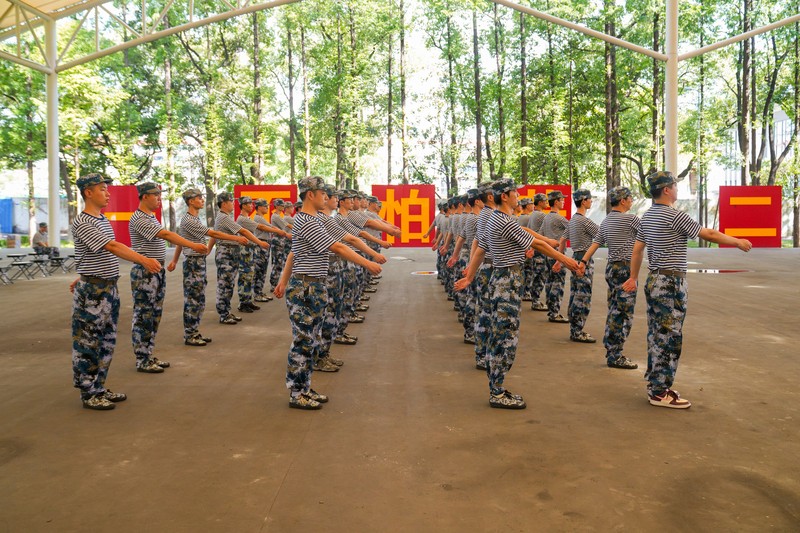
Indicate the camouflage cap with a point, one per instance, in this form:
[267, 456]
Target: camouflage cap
[442, 205]
[661, 179]
[260, 202]
[473, 194]
[347, 193]
[190, 193]
[42, 224]
[373, 199]
[539, 197]
[84, 182]
[504, 186]
[485, 187]
[311, 183]
[524, 202]
[555, 195]
[278, 202]
[617, 194]
[244, 200]
[298, 204]
[148, 188]
[330, 190]
[580, 195]
[224, 197]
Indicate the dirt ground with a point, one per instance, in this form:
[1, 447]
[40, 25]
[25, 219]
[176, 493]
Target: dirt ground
[408, 441]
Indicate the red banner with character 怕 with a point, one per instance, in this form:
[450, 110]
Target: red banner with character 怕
[123, 203]
[411, 208]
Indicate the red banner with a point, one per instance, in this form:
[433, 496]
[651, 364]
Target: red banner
[123, 203]
[266, 192]
[752, 213]
[528, 191]
[412, 208]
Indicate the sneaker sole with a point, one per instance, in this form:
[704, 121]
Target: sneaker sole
[306, 407]
[143, 371]
[512, 407]
[669, 405]
[584, 341]
[100, 408]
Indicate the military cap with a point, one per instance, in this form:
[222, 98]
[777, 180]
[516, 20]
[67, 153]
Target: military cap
[190, 193]
[373, 199]
[84, 182]
[555, 195]
[580, 195]
[617, 194]
[442, 205]
[244, 200]
[485, 187]
[260, 202]
[148, 188]
[524, 202]
[278, 202]
[539, 197]
[504, 186]
[473, 194]
[311, 183]
[42, 224]
[224, 197]
[330, 190]
[298, 204]
[660, 179]
[347, 193]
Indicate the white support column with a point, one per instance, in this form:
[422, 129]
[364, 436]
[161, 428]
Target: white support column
[53, 200]
[671, 89]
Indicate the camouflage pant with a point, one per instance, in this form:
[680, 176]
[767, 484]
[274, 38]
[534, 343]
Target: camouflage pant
[554, 287]
[148, 302]
[246, 274]
[348, 295]
[449, 276]
[527, 277]
[440, 264]
[335, 305]
[227, 259]
[278, 260]
[620, 308]
[666, 309]
[506, 287]
[194, 294]
[50, 251]
[460, 297]
[306, 301]
[95, 310]
[580, 297]
[538, 275]
[483, 309]
[261, 261]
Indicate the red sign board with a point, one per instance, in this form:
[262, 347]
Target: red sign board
[528, 191]
[266, 192]
[412, 208]
[123, 203]
[752, 213]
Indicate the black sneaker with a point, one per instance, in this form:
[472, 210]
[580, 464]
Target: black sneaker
[364, 298]
[304, 402]
[622, 362]
[558, 319]
[362, 308]
[235, 317]
[506, 400]
[207, 339]
[196, 340]
[114, 396]
[317, 397]
[228, 320]
[162, 364]
[538, 306]
[262, 298]
[583, 337]
[253, 306]
[150, 368]
[323, 365]
[341, 339]
[348, 336]
[244, 308]
[356, 319]
[337, 362]
[98, 403]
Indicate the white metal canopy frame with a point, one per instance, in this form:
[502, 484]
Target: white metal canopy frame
[142, 21]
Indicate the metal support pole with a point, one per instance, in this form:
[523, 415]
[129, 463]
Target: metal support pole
[671, 89]
[53, 200]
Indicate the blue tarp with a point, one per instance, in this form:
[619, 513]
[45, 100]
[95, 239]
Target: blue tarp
[6, 215]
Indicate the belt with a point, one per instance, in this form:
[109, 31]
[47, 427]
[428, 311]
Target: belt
[619, 262]
[309, 279]
[221, 245]
[667, 272]
[335, 259]
[94, 280]
[487, 261]
[513, 268]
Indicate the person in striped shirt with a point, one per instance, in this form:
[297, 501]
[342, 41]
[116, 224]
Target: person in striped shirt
[509, 244]
[304, 283]
[95, 304]
[664, 231]
[527, 209]
[554, 226]
[618, 232]
[280, 244]
[581, 231]
[194, 265]
[458, 262]
[539, 272]
[147, 238]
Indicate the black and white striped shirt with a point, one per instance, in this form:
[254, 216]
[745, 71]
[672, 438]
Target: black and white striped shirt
[348, 227]
[192, 230]
[455, 226]
[357, 218]
[374, 232]
[310, 245]
[143, 229]
[470, 228]
[554, 226]
[523, 219]
[333, 228]
[91, 234]
[263, 235]
[278, 221]
[581, 231]
[480, 230]
[618, 232]
[224, 223]
[507, 240]
[535, 221]
[249, 224]
[665, 231]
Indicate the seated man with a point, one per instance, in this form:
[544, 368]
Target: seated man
[40, 244]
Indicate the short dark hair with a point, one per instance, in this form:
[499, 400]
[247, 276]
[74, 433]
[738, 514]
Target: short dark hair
[656, 193]
[553, 201]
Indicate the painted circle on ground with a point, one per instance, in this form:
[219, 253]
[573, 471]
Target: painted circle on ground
[425, 273]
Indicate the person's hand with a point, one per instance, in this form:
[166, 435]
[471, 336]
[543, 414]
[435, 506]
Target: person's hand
[433, 246]
[373, 268]
[462, 284]
[395, 232]
[744, 245]
[553, 243]
[630, 285]
[386, 245]
[572, 265]
[442, 250]
[72, 285]
[581, 269]
[263, 244]
[529, 253]
[199, 248]
[289, 236]
[285, 235]
[452, 261]
[151, 265]
[241, 240]
[380, 259]
[557, 267]
[280, 289]
[172, 264]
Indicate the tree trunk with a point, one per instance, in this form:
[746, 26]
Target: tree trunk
[743, 102]
[501, 120]
[754, 177]
[523, 101]
[451, 178]
[796, 180]
[612, 134]
[306, 114]
[571, 127]
[552, 74]
[389, 111]
[701, 150]
[340, 156]
[292, 118]
[477, 75]
[72, 203]
[655, 126]
[170, 140]
[255, 166]
[404, 126]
